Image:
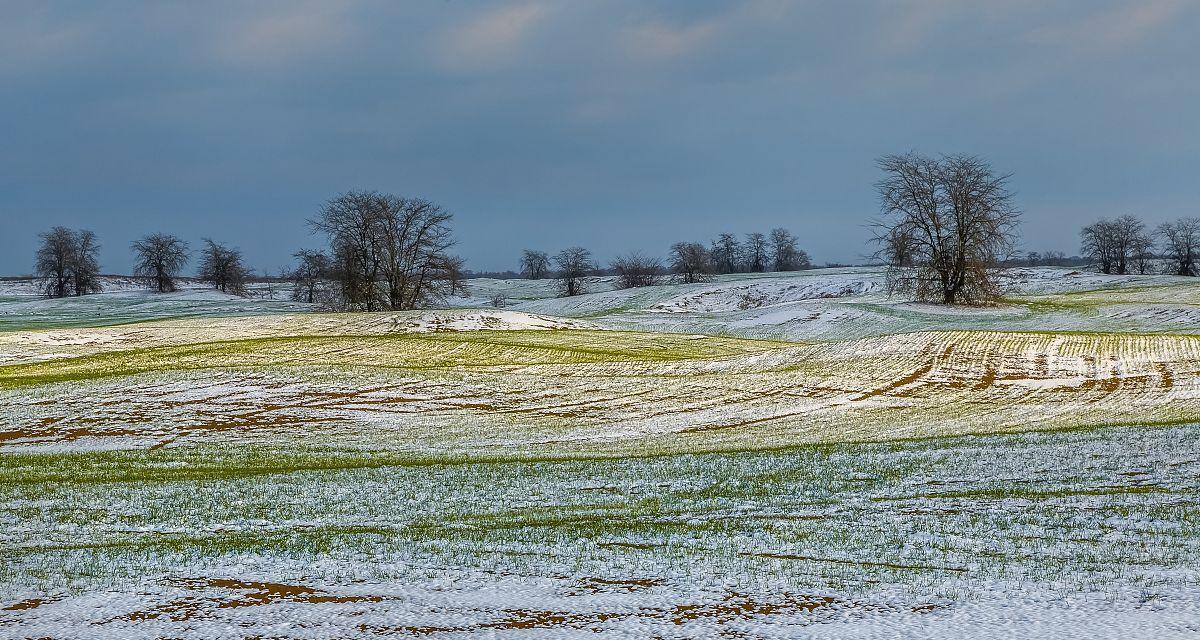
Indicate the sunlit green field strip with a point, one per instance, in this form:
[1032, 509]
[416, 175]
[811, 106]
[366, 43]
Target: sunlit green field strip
[407, 351]
[590, 392]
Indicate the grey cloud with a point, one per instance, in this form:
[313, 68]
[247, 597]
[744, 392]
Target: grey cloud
[236, 118]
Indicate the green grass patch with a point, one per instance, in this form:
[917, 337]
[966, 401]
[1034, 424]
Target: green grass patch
[476, 349]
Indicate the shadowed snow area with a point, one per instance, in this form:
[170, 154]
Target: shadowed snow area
[760, 456]
[126, 300]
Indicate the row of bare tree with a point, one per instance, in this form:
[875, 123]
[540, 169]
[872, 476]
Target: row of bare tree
[571, 266]
[948, 224]
[775, 251]
[1124, 245]
[1049, 259]
[687, 262]
[385, 252]
[66, 262]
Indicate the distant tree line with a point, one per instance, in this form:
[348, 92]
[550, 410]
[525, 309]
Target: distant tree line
[756, 253]
[687, 262]
[948, 224]
[1047, 259]
[1124, 245]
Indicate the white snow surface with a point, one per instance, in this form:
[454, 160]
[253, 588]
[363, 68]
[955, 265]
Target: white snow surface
[1089, 536]
[845, 303]
[472, 606]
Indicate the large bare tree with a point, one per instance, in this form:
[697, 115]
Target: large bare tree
[53, 261]
[957, 216]
[66, 262]
[1181, 245]
[690, 262]
[222, 267]
[535, 265]
[1097, 241]
[389, 252]
[574, 264]
[158, 258]
[637, 270]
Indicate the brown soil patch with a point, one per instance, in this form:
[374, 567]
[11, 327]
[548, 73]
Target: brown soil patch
[910, 378]
[1166, 378]
[253, 594]
[43, 435]
[27, 604]
[1105, 385]
[988, 379]
[734, 607]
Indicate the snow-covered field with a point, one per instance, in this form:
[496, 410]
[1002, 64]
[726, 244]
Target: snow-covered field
[127, 300]
[838, 304]
[773, 455]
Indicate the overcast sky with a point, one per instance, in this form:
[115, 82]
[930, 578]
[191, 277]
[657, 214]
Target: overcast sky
[613, 125]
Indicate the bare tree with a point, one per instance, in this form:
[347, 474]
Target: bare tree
[535, 265]
[222, 267]
[351, 222]
[725, 253]
[960, 218]
[690, 262]
[754, 253]
[573, 264]
[1141, 256]
[1181, 245]
[66, 262]
[1117, 244]
[158, 258]
[1097, 241]
[455, 275]
[85, 269]
[418, 271]
[637, 270]
[389, 252]
[270, 283]
[53, 261]
[312, 271]
[785, 256]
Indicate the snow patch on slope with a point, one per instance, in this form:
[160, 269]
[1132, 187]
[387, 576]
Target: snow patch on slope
[482, 320]
[765, 293]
